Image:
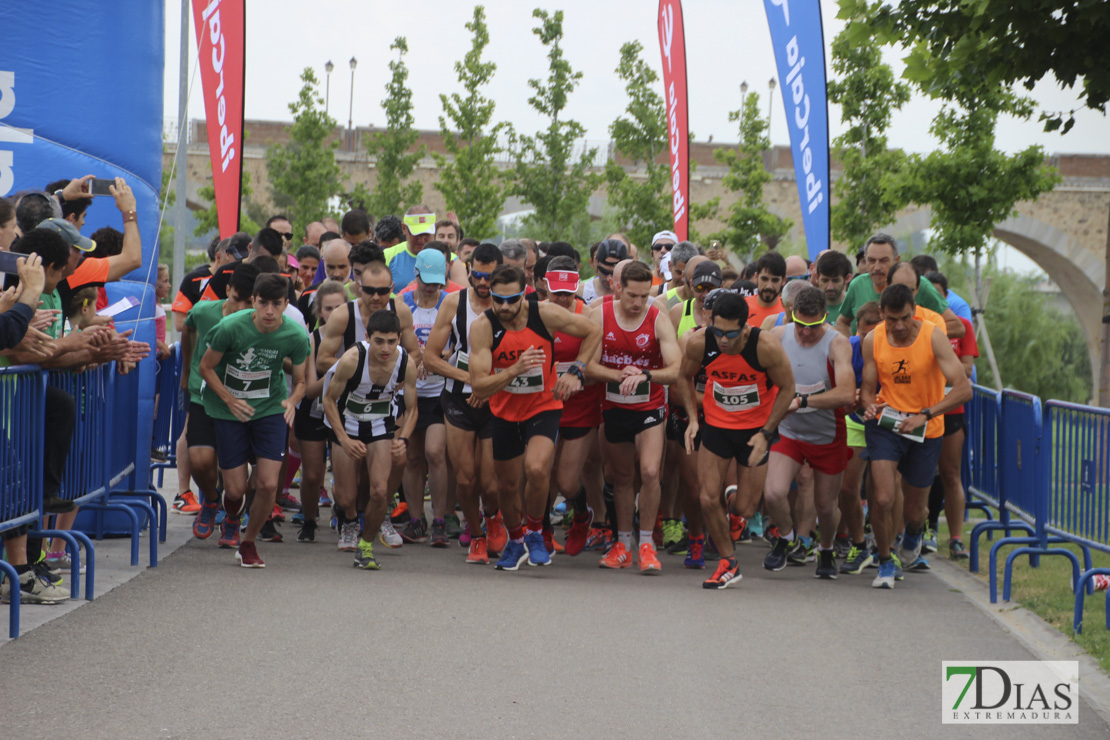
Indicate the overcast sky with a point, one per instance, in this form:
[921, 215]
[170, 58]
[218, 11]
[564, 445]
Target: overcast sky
[727, 42]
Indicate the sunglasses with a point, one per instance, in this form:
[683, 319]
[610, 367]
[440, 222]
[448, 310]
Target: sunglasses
[796, 277]
[657, 247]
[603, 270]
[729, 335]
[287, 235]
[510, 299]
[480, 275]
[818, 322]
[705, 287]
[367, 290]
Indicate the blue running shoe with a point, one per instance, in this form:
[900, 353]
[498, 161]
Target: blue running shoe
[910, 548]
[514, 555]
[537, 550]
[205, 523]
[695, 554]
[885, 578]
[298, 518]
[920, 564]
[220, 516]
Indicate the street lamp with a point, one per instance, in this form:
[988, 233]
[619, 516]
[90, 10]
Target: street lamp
[770, 102]
[743, 91]
[327, 85]
[351, 109]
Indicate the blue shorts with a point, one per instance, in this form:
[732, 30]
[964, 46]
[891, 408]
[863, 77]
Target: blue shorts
[263, 438]
[917, 461]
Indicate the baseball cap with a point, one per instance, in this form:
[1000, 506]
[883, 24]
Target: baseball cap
[562, 281]
[421, 223]
[431, 266]
[611, 249]
[706, 272]
[665, 235]
[69, 232]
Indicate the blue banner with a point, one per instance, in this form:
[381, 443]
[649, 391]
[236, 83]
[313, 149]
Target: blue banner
[799, 44]
[80, 94]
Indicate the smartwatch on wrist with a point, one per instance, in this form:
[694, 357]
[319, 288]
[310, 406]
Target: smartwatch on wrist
[647, 374]
[803, 401]
[928, 414]
[771, 435]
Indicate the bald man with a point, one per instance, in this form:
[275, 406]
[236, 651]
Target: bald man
[335, 258]
[313, 232]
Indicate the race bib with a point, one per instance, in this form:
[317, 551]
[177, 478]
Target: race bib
[891, 420]
[812, 389]
[316, 409]
[732, 398]
[360, 408]
[247, 384]
[529, 381]
[462, 361]
[641, 394]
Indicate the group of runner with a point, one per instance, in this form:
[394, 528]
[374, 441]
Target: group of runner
[527, 386]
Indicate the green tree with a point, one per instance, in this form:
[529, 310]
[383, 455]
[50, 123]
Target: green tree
[303, 173]
[166, 200]
[208, 221]
[470, 179]
[869, 187]
[642, 203]
[546, 174]
[390, 148]
[748, 221]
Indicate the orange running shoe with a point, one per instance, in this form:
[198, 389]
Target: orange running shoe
[736, 524]
[727, 573]
[478, 554]
[277, 515]
[558, 546]
[496, 534]
[649, 563]
[617, 557]
[186, 503]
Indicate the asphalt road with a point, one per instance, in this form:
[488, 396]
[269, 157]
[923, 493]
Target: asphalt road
[432, 647]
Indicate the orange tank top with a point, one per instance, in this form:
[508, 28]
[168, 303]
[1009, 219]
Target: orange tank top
[533, 391]
[738, 392]
[757, 313]
[910, 378]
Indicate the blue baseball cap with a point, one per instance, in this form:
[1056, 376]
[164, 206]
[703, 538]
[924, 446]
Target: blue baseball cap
[431, 266]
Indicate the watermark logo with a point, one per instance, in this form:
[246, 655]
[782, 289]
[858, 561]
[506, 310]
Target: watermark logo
[1010, 692]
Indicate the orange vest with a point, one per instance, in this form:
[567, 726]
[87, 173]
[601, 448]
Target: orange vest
[533, 391]
[927, 314]
[910, 378]
[756, 312]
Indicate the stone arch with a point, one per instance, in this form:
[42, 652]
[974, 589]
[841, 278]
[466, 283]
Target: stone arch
[1080, 276]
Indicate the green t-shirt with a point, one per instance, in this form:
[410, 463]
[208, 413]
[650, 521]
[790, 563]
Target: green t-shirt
[202, 317]
[53, 300]
[251, 366]
[863, 290]
[833, 311]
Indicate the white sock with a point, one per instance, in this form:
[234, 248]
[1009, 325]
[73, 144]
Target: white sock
[625, 538]
[646, 539]
[789, 536]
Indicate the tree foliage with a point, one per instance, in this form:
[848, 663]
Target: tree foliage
[303, 173]
[546, 174]
[964, 46]
[869, 187]
[391, 148]
[748, 221]
[470, 179]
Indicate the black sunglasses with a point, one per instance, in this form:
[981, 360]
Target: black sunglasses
[657, 247]
[367, 290]
[729, 335]
[287, 235]
[510, 299]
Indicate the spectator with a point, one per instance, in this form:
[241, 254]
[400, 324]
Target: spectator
[161, 293]
[7, 225]
[17, 309]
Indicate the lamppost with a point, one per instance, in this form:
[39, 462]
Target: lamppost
[327, 85]
[743, 93]
[351, 109]
[770, 102]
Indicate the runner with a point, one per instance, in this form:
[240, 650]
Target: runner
[831, 273]
[911, 361]
[638, 355]
[904, 273]
[676, 290]
[360, 409]
[246, 398]
[813, 430]
[770, 280]
[609, 253]
[512, 363]
[749, 386]
[469, 423]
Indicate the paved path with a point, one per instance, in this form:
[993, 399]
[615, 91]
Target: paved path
[432, 647]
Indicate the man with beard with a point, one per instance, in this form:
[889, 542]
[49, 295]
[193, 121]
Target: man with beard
[770, 273]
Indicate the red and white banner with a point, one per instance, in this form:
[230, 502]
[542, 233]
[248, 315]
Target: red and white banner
[221, 41]
[672, 44]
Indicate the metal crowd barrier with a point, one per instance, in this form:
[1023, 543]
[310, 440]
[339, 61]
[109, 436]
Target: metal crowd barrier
[170, 419]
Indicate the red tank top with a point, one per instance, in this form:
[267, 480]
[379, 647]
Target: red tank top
[738, 393]
[533, 391]
[583, 409]
[639, 347]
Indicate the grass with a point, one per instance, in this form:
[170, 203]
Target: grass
[1046, 591]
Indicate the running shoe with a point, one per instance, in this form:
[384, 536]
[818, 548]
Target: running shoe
[911, 546]
[229, 533]
[415, 531]
[186, 503]
[537, 550]
[34, 589]
[496, 534]
[776, 559]
[348, 536]
[599, 539]
[898, 574]
[364, 557]
[885, 578]
[929, 543]
[324, 500]
[247, 555]
[400, 513]
[47, 571]
[514, 555]
[269, 532]
[670, 533]
[921, 564]
[298, 518]
[1098, 582]
[680, 547]
[205, 523]
[454, 526]
[288, 502]
[856, 561]
[388, 535]
[826, 565]
[579, 533]
[61, 562]
[842, 545]
[617, 557]
[657, 532]
[277, 514]
[755, 526]
[649, 561]
[804, 551]
[956, 550]
[464, 535]
[478, 554]
[307, 532]
[439, 536]
[874, 557]
[695, 554]
[727, 573]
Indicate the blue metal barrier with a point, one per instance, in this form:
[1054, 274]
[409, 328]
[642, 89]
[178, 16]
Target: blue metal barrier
[1078, 486]
[22, 403]
[126, 407]
[172, 408]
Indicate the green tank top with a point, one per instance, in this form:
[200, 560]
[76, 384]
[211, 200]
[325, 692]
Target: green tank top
[688, 321]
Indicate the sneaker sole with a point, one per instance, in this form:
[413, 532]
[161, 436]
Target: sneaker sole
[774, 569]
[541, 563]
[477, 562]
[391, 547]
[441, 545]
[512, 567]
[228, 545]
[825, 576]
[367, 566]
[722, 586]
[248, 565]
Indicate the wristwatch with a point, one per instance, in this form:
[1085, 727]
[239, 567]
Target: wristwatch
[771, 435]
[928, 414]
[647, 374]
[803, 400]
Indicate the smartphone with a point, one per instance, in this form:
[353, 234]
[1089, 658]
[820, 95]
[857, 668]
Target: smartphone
[99, 186]
[8, 260]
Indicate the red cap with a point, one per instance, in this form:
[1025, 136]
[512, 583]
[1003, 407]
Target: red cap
[562, 281]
